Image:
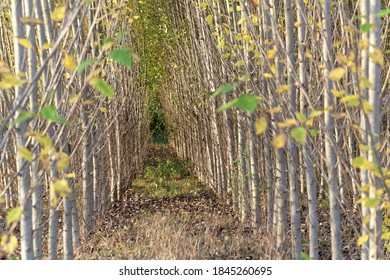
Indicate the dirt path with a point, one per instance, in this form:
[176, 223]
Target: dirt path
[168, 214]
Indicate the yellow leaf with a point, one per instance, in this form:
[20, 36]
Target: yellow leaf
[377, 56]
[70, 175]
[279, 141]
[271, 54]
[362, 239]
[25, 43]
[268, 75]
[273, 69]
[261, 126]
[25, 153]
[63, 161]
[245, 78]
[336, 74]
[46, 46]
[59, 13]
[283, 89]
[8, 81]
[287, 123]
[30, 21]
[275, 110]
[338, 93]
[367, 107]
[61, 188]
[9, 243]
[70, 63]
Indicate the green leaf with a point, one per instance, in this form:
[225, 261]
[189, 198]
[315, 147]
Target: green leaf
[367, 27]
[23, 116]
[299, 134]
[246, 103]
[305, 256]
[383, 13]
[123, 56]
[102, 87]
[314, 132]
[14, 215]
[50, 113]
[358, 162]
[84, 65]
[225, 89]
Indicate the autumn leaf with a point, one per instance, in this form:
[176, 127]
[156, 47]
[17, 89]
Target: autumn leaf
[261, 126]
[337, 74]
[279, 141]
[59, 13]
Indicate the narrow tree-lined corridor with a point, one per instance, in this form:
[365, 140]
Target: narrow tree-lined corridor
[272, 119]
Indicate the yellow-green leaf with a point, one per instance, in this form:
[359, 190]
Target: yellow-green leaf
[14, 215]
[279, 141]
[367, 107]
[299, 134]
[25, 153]
[103, 87]
[261, 126]
[338, 93]
[61, 187]
[372, 202]
[63, 161]
[336, 74]
[358, 162]
[70, 62]
[59, 13]
[386, 236]
[209, 19]
[301, 117]
[352, 100]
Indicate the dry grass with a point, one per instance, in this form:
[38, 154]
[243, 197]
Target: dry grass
[171, 236]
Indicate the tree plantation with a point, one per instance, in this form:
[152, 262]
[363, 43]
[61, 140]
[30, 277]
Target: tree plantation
[273, 114]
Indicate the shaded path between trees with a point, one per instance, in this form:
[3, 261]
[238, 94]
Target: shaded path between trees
[168, 214]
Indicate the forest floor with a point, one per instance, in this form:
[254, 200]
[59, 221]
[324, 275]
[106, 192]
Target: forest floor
[168, 214]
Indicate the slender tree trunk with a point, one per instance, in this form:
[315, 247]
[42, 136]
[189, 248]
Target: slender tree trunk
[21, 129]
[330, 154]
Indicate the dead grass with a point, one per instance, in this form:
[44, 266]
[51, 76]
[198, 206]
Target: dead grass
[189, 236]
